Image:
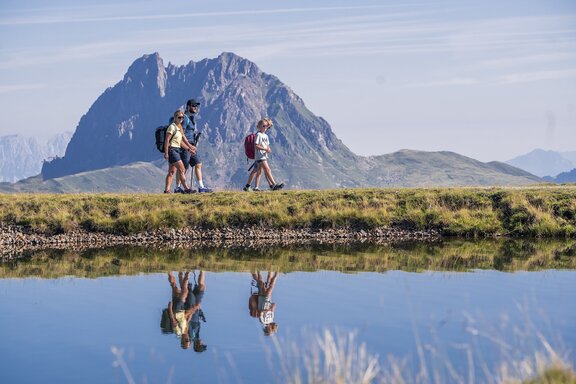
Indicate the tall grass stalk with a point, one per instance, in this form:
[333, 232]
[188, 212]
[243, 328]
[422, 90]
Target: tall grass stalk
[335, 357]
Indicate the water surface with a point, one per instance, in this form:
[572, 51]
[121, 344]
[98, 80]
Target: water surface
[64, 329]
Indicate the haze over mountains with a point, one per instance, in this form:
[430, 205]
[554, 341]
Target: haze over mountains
[542, 163]
[118, 131]
[22, 157]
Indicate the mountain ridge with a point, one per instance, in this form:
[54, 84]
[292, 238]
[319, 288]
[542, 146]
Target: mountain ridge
[118, 130]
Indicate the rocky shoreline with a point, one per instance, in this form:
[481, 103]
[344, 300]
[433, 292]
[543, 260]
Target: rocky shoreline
[15, 240]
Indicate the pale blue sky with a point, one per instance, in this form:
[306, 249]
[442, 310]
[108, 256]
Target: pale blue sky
[489, 79]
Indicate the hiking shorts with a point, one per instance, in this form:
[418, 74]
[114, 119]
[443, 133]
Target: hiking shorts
[195, 295]
[178, 305]
[174, 155]
[189, 159]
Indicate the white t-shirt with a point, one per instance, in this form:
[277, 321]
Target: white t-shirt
[263, 141]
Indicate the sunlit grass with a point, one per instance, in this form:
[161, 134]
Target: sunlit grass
[539, 212]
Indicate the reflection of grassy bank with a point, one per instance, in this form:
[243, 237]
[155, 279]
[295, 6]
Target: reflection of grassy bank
[456, 255]
[545, 211]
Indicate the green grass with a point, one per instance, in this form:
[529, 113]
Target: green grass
[455, 255]
[468, 212]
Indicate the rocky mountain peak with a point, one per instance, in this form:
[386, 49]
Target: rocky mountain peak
[119, 127]
[147, 72]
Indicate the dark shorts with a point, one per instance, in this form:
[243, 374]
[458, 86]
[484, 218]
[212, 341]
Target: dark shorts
[195, 295]
[189, 159]
[178, 305]
[174, 155]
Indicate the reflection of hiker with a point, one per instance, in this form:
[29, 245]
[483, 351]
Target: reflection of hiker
[179, 315]
[172, 151]
[192, 135]
[183, 314]
[260, 304]
[195, 295]
[262, 146]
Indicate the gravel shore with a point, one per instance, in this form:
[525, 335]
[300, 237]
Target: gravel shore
[15, 240]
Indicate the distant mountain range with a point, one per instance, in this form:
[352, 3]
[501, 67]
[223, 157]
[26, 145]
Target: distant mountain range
[542, 163]
[22, 157]
[115, 139]
[404, 168]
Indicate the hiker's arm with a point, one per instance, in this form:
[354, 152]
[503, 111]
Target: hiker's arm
[186, 144]
[171, 313]
[263, 148]
[166, 143]
[189, 147]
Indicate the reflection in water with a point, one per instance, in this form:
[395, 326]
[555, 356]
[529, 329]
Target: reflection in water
[184, 311]
[419, 319]
[449, 255]
[260, 303]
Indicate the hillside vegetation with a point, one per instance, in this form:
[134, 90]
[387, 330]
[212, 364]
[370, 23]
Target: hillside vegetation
[470, 212]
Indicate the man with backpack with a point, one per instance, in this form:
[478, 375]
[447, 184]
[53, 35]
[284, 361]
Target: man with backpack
[191, 158]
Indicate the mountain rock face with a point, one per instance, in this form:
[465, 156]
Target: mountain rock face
[22, 157]
[119, 129]
[544, 163]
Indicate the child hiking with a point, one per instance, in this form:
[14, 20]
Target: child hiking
[262, 149]
[260, 304]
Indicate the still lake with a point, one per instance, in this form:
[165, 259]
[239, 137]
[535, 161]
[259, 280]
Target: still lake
[95, 316]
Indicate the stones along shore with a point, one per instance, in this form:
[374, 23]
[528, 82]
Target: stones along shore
[15, 240]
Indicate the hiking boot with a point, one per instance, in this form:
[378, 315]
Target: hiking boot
[256, 189]
[178, 190]
[167, 192]
[204, 190]
[187, 191]
[247, 189]
[277, 187]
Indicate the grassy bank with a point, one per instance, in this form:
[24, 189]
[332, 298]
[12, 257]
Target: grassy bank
[455, 255]
[538, 212]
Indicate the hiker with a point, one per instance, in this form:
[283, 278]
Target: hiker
[260, 304]
[179, 316]
[262, 146]
[191, 159]
[184, 310]
[195, 296]
[173, 145]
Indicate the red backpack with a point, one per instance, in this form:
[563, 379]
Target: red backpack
[250, 146]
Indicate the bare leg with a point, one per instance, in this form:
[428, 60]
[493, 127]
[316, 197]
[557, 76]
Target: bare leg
[198, 173]
[178, 180]
[268, 173]
[273, 280]
[251, 176]
[172, 281]
[185, 286]
[181, 173]
[169, 176]
[258, 175]
[201, 284]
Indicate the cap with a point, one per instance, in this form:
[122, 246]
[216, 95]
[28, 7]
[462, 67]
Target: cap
[192, 102]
